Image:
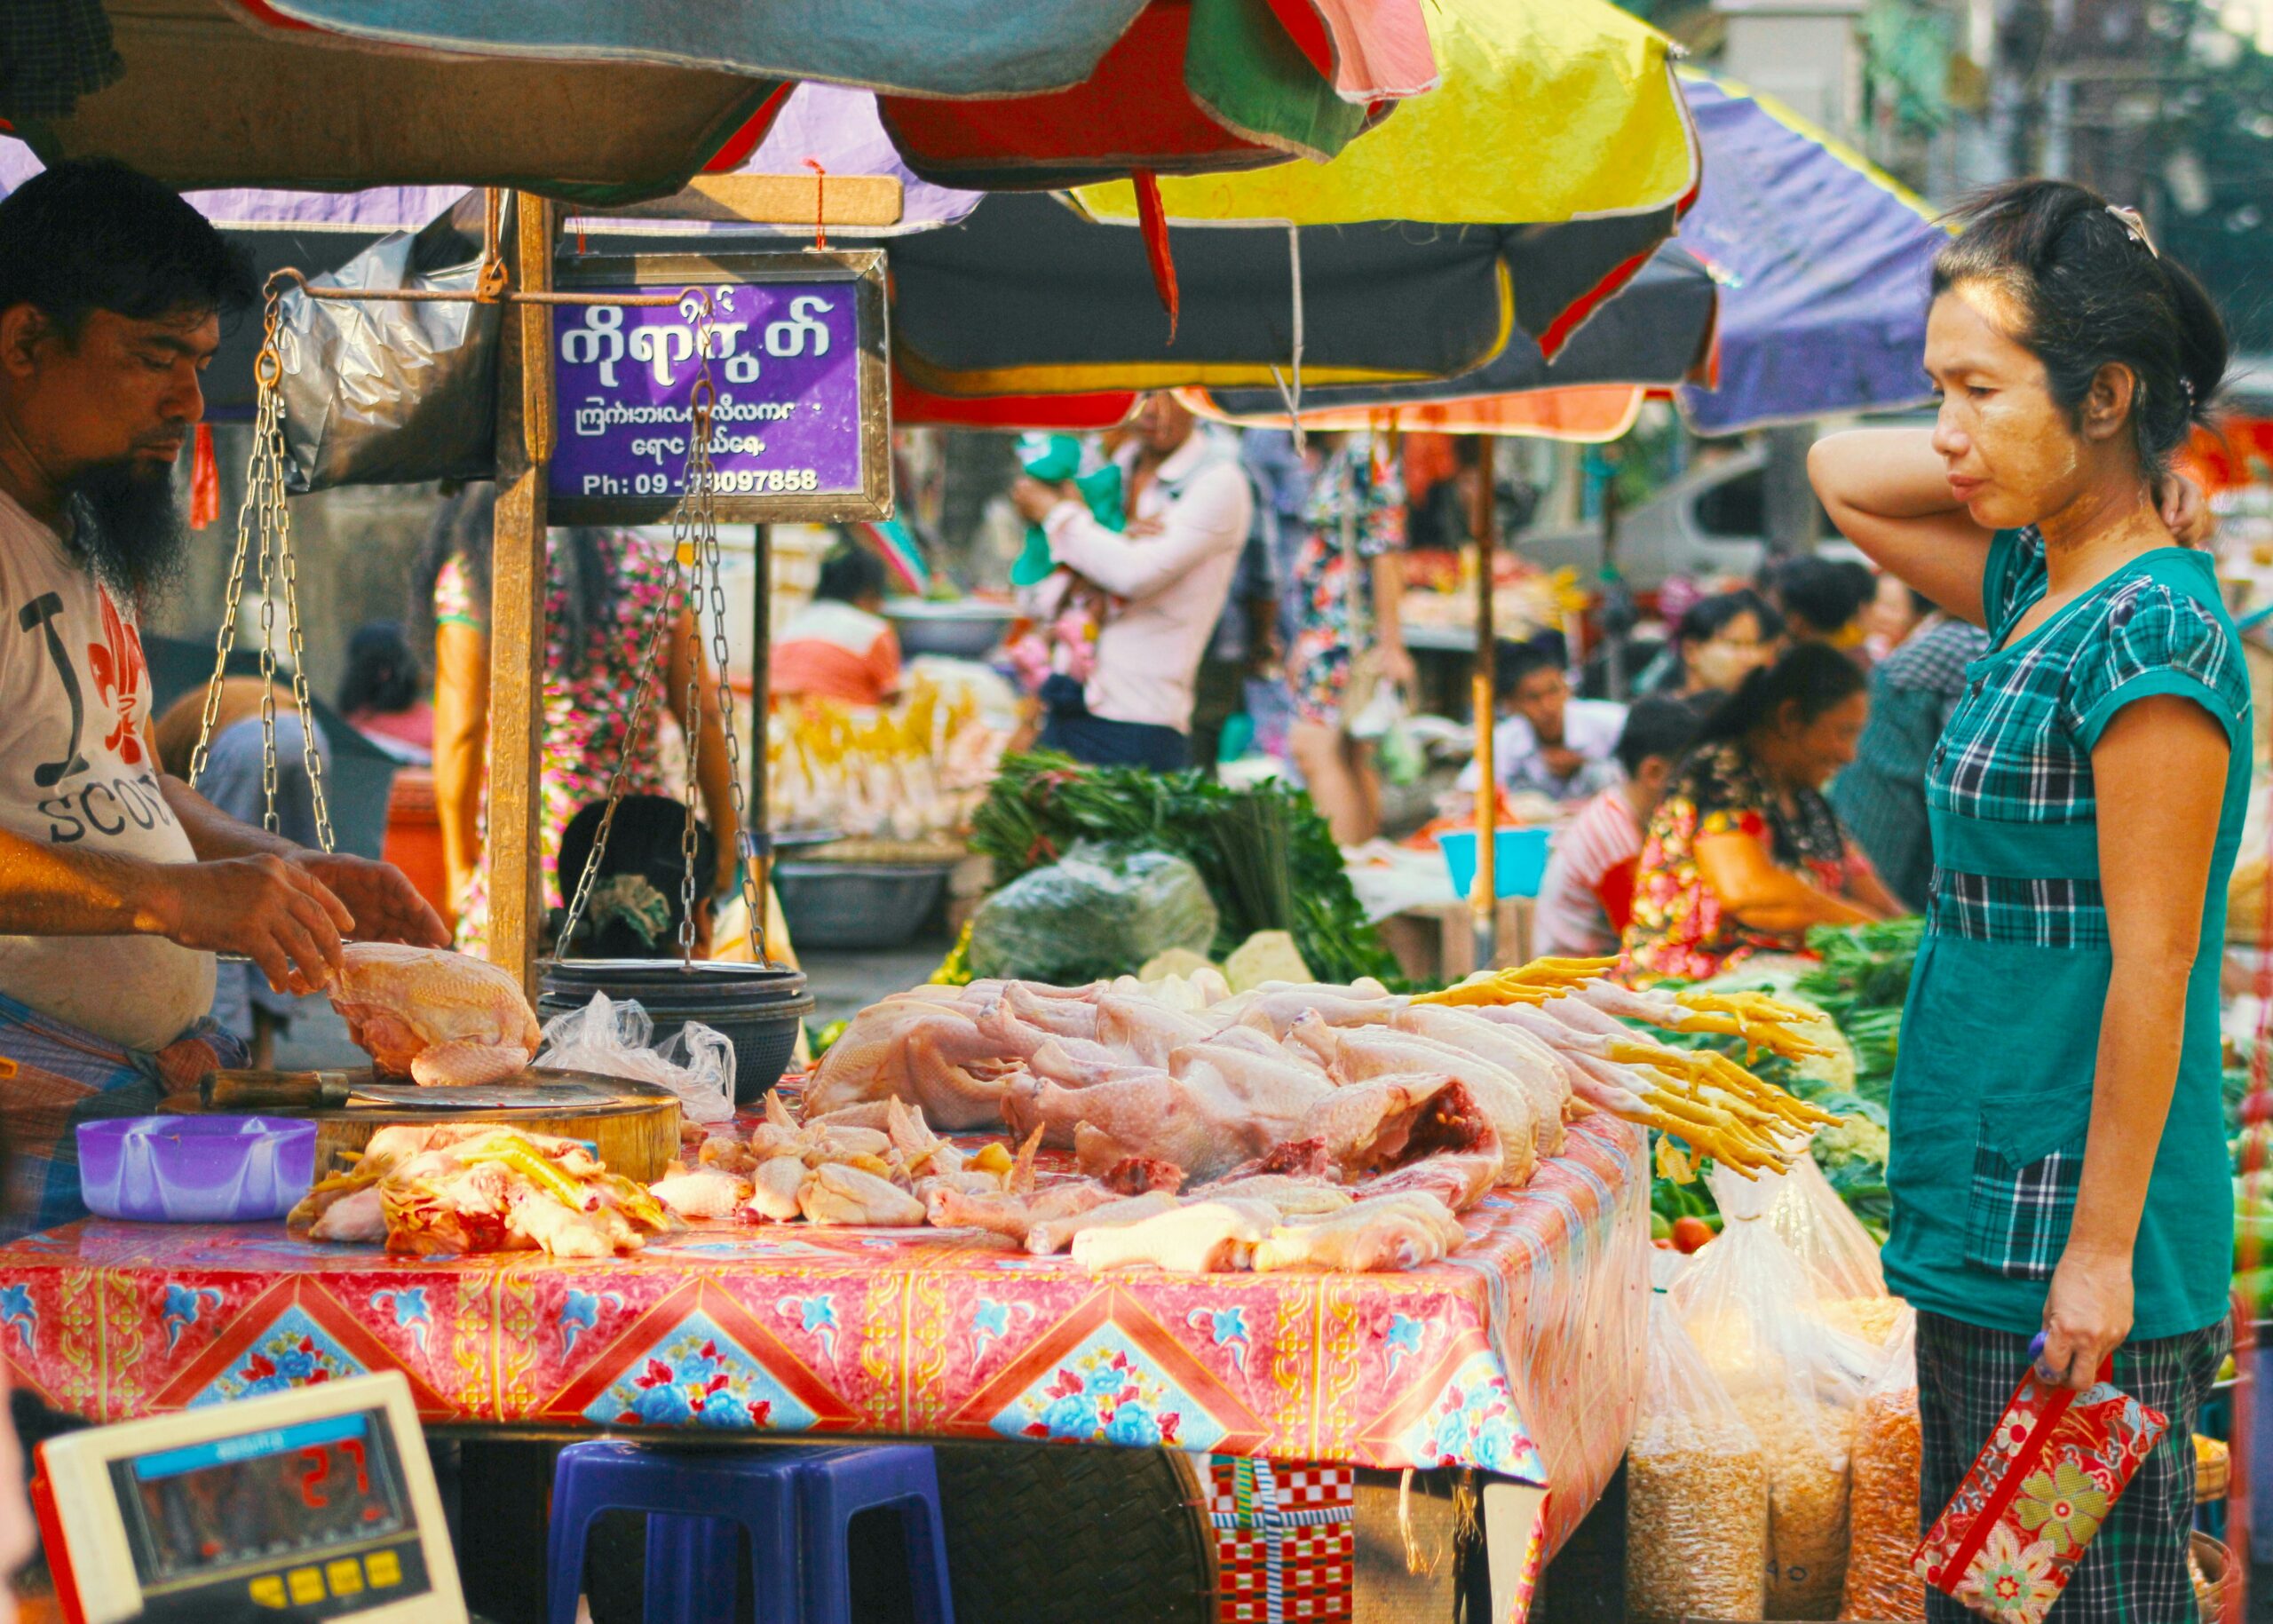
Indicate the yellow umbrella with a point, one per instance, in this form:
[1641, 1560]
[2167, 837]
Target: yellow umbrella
[1548, 110]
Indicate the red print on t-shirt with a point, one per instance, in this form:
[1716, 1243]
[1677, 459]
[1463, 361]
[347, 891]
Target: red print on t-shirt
[120, 673]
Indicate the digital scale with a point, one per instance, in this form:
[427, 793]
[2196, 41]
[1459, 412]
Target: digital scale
[314, 1504]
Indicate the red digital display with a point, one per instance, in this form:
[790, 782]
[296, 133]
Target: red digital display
[288, 1492]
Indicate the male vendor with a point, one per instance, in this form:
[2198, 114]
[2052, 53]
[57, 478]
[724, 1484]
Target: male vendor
[118, 882]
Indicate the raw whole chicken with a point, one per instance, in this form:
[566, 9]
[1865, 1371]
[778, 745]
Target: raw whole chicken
[1396, 1232]
[435, 1016]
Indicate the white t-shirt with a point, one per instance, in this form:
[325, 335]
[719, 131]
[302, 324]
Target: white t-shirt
[77, 771]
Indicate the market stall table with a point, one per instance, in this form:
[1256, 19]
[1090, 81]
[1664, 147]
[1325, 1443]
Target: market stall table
[1520, 1355]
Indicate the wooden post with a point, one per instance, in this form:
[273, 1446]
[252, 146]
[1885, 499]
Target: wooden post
[761, 660]
[517, 583]
[1483, 899]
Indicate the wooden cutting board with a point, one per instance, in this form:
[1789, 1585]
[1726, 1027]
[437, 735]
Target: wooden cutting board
[635, 1126]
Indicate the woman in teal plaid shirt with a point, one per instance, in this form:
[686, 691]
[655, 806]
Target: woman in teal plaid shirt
[2059, 1161]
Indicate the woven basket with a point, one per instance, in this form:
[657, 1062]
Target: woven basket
[2216, 1577]
[2213, 1464]
[1043, 1534]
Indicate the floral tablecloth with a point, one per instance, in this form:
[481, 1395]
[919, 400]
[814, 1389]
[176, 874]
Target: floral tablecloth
[1521, 1354]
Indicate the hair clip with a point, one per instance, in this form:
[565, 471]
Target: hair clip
[2136, 226]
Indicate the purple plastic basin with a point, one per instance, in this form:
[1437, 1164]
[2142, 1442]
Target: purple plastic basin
[195, 1169]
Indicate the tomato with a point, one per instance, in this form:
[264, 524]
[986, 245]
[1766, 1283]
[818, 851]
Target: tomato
[1690, 1233]
[1663, 1244]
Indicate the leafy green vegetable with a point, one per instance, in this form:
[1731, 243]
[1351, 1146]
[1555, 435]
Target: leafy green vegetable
[1266, 855]
[1861, 983]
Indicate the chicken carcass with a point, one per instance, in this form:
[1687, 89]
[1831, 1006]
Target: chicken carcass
[705, 1193]
[1537, 1067]
[1049, 1235]
[1363, 1054]
[1004, 1213]
[435, 1016]
[1199, 1238]
[931, 1053]
[835, 1193]
[1392, 1232]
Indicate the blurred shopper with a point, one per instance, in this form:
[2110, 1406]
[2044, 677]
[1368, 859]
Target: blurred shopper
[1587, 897]
[1348, 642]
[840, 646]
[1166, 577]
[1882, 797]
[1716, 643]
[1822, 600]
[1548, 742]
[380, 696]
[1744, 855]
[604, 589]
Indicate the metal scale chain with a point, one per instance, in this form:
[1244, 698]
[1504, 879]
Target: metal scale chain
[265, 513]
[694, 548]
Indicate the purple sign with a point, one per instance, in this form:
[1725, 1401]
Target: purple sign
[796, 426]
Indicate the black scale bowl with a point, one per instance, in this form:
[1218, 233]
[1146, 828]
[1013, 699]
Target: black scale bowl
[756, 1008]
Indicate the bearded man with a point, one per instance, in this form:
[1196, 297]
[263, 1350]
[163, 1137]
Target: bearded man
[118, 882]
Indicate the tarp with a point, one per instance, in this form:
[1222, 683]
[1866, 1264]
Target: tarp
[1656, 333]
[1027, 298]
[1547, 110]
[605, 101]
[1823, 262]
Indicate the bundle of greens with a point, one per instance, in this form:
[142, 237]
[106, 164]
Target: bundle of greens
[1266, 856]
[1861, 983]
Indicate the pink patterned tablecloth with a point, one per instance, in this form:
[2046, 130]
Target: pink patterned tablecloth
[1520, 1355]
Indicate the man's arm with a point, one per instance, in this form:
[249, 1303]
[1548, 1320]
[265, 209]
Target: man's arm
[1210, 519]
[273, 912]
[214, 834]
[374, 900]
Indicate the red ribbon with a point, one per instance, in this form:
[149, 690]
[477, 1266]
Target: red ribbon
[204, 479]
[1153, 217]
[820, 199]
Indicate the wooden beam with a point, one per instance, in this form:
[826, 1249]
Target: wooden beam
[1483, 895]
[778, 199]
[516, 582]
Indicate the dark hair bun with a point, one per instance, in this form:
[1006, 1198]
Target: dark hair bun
[2094, 291]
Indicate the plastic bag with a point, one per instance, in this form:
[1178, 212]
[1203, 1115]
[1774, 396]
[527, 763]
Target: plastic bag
[1884, 1497]
[390, 392]
[1097, 912]
[1696, 1485]
[1838, 1253]
[1756, 1317]
[616, 1039]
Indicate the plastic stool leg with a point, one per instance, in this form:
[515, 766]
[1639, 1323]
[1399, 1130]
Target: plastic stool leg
[832, 1490]
[694, 1570]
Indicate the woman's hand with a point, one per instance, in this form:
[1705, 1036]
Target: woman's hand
[1396, 667]
[2186, 512]
[1034, 500]
[2087, 1315]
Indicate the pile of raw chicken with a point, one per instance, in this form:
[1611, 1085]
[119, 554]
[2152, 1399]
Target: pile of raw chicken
[467, 1187]
[1311, 1127]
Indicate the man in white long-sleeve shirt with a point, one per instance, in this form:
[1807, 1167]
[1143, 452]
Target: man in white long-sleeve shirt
[1190, 507]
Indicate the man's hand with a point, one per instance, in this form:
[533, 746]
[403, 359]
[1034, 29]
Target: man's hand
[2087, 1315]
[1561, 760]
[2186, 512]
[386, 906]
[274, 912]
[1034, 500]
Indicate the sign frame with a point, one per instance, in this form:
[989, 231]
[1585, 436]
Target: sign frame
[861, 271]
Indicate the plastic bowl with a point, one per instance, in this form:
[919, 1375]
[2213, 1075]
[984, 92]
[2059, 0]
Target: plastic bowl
[858, 906]
[1518, 859]
[195, 1169]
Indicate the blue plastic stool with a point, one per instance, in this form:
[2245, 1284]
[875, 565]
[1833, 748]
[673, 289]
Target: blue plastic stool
[694, 1502]
[834, 1486]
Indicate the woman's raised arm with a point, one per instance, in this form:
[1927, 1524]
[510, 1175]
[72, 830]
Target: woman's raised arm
[1888, 493]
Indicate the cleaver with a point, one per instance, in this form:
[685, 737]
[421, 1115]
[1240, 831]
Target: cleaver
[258, 1090]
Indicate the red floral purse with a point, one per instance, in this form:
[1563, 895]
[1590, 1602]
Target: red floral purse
[2054, 1466]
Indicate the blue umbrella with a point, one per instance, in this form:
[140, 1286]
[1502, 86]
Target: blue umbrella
[1823, 264]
